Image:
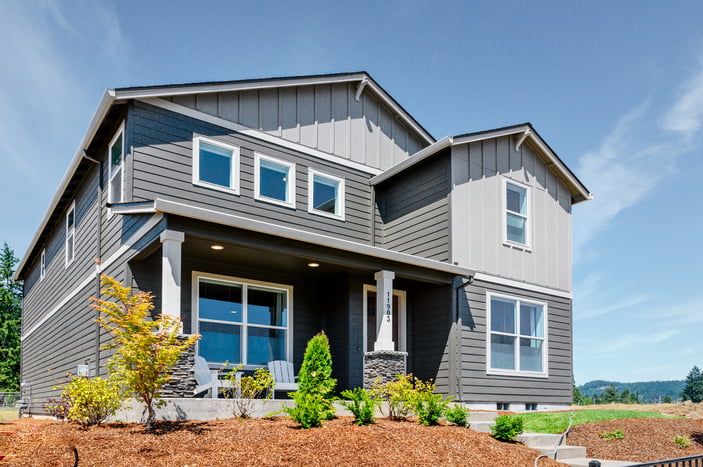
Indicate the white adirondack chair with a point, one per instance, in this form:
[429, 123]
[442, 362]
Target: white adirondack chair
[208, 379]
[283, 375]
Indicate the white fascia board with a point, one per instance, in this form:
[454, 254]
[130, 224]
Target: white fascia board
[187, 111]
[103, 107]
[481, 276]
[231, 220]
[421, 155]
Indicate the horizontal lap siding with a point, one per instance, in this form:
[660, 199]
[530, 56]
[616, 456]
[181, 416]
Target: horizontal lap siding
[163, 168]
[481, 387]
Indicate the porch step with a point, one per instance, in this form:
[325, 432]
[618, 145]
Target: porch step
[482, 416]
[583, 462]
[564, 452]
[540, 440]
[481, 427]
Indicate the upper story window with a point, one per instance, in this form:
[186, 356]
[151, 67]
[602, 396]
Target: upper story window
[517, 215]
[325, 195]
[70, 246]
[215, 165]
[116, 167]
[274, 180]
[517, 336]
[42, 265]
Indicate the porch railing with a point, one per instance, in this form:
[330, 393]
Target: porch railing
[693, 461]
[9, 399]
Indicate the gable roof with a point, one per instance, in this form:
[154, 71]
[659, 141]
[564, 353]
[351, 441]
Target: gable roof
[579, 192]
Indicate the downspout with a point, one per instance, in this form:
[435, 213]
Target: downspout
[457, 335]
[98, 256]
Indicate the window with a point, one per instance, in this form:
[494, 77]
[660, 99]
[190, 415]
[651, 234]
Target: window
[502, 405]
[70, 234]
[531, 406]
[215, 165]
[274, 180]
[325, 195]
[42, 265]
[116, 168]
[517, 336]
[242, 321]
[517, 213]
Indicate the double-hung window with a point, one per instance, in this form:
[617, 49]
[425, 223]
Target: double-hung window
[325, 195]
[274, 180]
[242, 321]
[517, 213]
[517, 336]
[42, 265]
[116, 167]
[70, 245]
[215, 165]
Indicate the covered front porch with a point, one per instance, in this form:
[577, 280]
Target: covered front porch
[255, 298]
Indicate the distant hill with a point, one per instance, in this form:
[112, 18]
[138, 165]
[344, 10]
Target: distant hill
[648, 391]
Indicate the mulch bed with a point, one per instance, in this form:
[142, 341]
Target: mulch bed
[646, 439]
[256, 442]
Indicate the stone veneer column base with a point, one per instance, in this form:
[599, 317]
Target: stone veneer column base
[384, 365]
[182, 382]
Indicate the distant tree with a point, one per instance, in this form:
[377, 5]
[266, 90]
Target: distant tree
[634, 398]
[625, 397]
[693, 390]
[586, 401]
[10, 317]
[596, 399]
[578, 397]
[667, 400]
[610, 395]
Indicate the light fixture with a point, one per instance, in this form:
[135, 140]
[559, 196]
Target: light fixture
[217, 247]
[314, 265]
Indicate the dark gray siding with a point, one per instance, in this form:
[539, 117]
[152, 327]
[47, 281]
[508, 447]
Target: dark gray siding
[414, 209]
[163, 168]
[481, 387]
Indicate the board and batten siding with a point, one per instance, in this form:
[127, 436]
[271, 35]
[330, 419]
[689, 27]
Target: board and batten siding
[414, 208]
[163, 168]
[478, 386]
[479, 171]
[326, 117]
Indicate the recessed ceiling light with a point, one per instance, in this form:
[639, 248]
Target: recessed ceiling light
[314, 265]
[217, 247]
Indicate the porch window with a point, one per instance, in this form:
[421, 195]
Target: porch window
[517, 335]
[215, 165]
[325, 195]
[274, 180]
[516, 213]
[116, 167]
[242, 322]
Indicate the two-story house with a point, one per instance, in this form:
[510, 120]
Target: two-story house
[260, 212]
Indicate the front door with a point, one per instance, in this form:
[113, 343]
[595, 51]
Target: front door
[399, 318]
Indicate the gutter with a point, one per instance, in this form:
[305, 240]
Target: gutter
[419, 156]
[103, 107]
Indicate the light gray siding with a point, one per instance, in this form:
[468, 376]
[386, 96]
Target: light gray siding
[163, 168]
[326, 117]
[479, 171]
[478, 386]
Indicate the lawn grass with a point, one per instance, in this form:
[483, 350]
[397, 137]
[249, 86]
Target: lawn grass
[557, 422]
[8, 414]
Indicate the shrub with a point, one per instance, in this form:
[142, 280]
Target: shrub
[58, 408]
[507, 427]
[309, 410]
[91, 400]
[458, 415]
[682, 441]
[401, 394]
[430, 407]
[248, 388]
[362, 404]
[612, 435]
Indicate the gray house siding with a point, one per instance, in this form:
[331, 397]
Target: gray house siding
[163, 168]
[478, 386]
[326, 117]
[414, 207]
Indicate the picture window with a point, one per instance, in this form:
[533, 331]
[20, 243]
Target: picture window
[325, 195]
[275, 180]
[215, 165]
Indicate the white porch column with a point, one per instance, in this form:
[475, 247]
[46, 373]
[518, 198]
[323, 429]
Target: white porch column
[384, 311]
[171, 241]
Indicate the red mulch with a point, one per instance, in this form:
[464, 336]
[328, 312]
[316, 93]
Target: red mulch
[256, 442]
[646, 439]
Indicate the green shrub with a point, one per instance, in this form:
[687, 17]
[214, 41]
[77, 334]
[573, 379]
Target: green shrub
[612, 435]
[91, 400]
[248, 388]
[507, 427]
[458, 415]
[309, 410]
[401, 394]
[58, 408]
[361, 404]
[682, 441]
[430, 407]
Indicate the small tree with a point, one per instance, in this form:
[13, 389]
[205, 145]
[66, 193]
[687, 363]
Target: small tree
[146, 350]
[693, 390]
[10, 316]
[667, 399]
[610, 395]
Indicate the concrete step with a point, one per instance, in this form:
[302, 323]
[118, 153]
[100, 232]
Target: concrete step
[481, 427]
[565, 452]
[539, 440]
[482, 416]
[584, 461]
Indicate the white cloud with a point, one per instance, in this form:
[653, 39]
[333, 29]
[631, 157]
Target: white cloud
[686, 115]
[591, 311]
[628, 343]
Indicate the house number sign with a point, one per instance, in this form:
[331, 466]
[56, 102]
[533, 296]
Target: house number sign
[388, 310]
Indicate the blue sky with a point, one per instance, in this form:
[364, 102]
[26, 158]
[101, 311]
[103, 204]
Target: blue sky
[616, 88]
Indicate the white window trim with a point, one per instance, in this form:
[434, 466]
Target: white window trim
[42, 265]
[120, 131]
[527, 246]
[195, 320]
[545, 342]
[70, 233]
[234, 165]
[290, 188]
[340, 194]
[402, 344]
